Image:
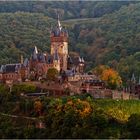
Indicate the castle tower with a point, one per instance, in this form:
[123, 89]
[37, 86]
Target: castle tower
[59, 42]
[133, 84]
[56, 61]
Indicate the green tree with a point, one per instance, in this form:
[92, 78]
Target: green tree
[25, 88]
[52, 74]
[133, 125]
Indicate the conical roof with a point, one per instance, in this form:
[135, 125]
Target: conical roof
[133, 79]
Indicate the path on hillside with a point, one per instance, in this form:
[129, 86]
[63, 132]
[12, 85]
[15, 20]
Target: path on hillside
[80, 20]
[15, 116]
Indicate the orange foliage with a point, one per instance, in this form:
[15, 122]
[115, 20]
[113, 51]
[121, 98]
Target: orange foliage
[111, 77]
[83, 108]
[38, 107]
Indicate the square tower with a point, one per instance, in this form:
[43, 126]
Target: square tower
[59, 42]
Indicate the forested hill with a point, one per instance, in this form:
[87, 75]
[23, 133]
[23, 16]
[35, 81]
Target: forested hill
[20, 32]
[105, 32]
[67, 9]
[112, 39]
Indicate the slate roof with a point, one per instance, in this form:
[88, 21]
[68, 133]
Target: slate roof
[70, 72]
[75, 60]
[59, 29]
[70, 60]
[44, 58]
[26, 62]
[56, 32]
[8, 68]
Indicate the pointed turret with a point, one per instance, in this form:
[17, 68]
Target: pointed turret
[82, 60]
[59, 31]
[35, 52]
[26, 62]
[81, 65]
[133, 79]
[58, 23]
[2, 68]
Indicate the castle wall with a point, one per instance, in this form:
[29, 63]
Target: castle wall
[12, 77]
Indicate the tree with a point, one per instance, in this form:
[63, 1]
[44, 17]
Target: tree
[99, 69]
[38, 107]
[52, 74]
[4, 93]
[26, 88]
[133, 125]
[112, 78]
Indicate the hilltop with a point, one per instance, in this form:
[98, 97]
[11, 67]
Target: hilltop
[67, 9]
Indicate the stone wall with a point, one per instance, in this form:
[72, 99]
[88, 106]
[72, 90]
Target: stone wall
[111, 94]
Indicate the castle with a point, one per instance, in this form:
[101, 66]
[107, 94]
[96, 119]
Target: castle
[37, 65]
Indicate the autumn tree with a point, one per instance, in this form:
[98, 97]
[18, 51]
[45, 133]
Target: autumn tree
[112, 78]
[38, 107]
[52, 73]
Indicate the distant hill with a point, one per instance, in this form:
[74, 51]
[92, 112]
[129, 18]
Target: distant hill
[67, 9]
[112, 39]
[102, 32]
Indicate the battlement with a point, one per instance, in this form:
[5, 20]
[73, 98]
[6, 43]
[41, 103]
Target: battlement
[59, 39]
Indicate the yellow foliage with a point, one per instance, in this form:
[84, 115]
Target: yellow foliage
[118, 114]
[59, 108]
[111, 76]
[38, 106]
[83, 108]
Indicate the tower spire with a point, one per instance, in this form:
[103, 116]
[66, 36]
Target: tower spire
[35, 50]
[133, 79]
[58, 22]
[80, 59]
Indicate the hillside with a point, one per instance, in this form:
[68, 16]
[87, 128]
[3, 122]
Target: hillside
[113, 40]
[79, 116]
[110, 38]
[20, 32]
[67, 9]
